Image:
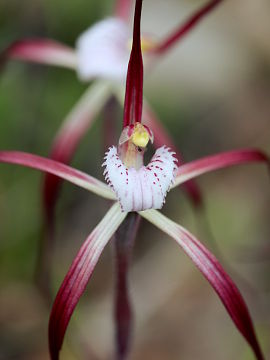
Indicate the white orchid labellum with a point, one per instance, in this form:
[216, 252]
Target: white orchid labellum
[136, 186]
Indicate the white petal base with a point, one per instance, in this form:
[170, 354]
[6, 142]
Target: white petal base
[141, 189]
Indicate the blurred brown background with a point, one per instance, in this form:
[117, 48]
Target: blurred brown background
[212, 92]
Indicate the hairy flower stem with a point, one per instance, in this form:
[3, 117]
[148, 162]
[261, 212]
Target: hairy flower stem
[123, 246]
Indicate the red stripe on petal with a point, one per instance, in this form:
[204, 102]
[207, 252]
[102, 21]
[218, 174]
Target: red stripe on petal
[219, 161]
[43, 51]
[214, 273]
[58, 169]
[78, 276]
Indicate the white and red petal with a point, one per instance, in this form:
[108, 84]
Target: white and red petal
[43, 51]
[103, 50]
[141, 189]
[214, 274]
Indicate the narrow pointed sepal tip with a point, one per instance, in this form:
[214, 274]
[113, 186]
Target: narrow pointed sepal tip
[142, 189]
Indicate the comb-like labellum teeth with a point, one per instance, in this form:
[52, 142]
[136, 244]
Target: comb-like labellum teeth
[141, 189]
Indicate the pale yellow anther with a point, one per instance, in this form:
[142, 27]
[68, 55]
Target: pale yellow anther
[140, 136]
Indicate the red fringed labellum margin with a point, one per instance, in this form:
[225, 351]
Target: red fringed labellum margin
[145, 188]
[213, 272]
[78, 276]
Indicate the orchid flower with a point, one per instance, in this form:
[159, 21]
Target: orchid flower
[101, 52]
[136, 188]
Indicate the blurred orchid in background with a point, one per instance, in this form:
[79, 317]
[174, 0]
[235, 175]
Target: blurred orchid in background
[135, 187]
[101, 53]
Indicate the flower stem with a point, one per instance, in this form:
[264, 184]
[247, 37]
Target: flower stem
[123, 316]
[134, 83]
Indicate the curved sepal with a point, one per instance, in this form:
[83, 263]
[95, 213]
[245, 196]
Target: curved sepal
[210, 163]
[58, 169]
[214, 274]
[78, 276]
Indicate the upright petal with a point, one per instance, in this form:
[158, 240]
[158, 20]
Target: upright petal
[58, 169]
[78, 276]
[134, 82]
[213, 272]
[103, 50]
[210, 163]
[43, 51]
